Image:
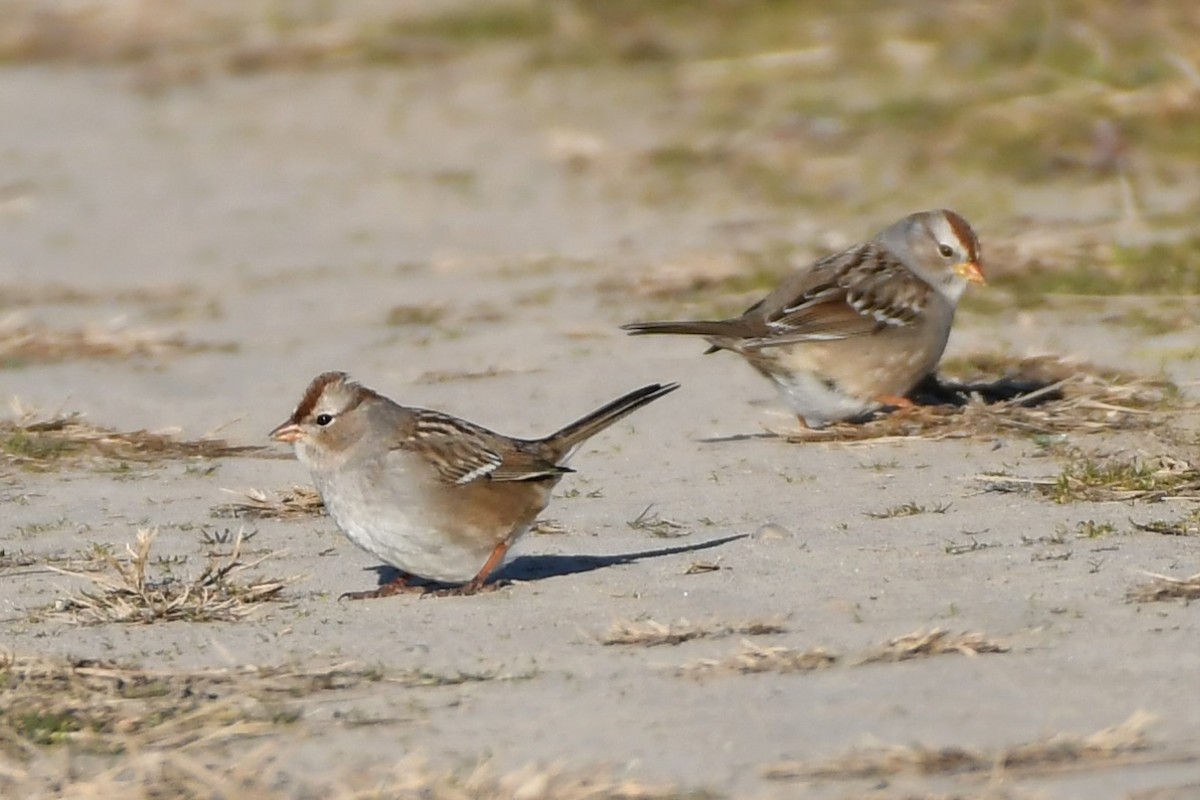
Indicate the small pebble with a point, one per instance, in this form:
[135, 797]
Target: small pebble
[771, 532]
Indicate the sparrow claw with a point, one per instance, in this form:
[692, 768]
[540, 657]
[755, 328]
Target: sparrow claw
[398, 586]
[468, 589]
[803, 433]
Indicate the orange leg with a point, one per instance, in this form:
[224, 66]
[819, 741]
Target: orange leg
[396, 586]
[476, 584]
[494, 560]
[896, 401]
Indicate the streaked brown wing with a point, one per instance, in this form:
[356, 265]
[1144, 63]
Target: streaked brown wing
[462, 453]
[854, 293]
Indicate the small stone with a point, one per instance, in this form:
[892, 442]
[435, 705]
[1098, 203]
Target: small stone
[771, 532]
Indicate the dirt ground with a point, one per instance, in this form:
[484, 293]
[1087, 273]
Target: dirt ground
[708, 611]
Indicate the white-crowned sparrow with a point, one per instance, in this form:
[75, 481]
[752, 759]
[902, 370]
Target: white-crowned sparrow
[435, 496]
[858, 329]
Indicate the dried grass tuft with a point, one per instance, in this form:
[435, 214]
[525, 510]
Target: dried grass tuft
[1189, 525]
[257, 775]
[648, 633]
[87, 559]
[104, 707]
[1049, 754]
[26, 343]
[294, 503]
[100, 707]
[1041, 396]
[413, 778]
[34, 441]
[132, 595]
[1102, 479]
[1164, 587]
[754, 659]
[921, 644]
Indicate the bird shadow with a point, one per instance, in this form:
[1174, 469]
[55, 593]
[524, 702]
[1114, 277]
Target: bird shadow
[539, 567]
[938, 391]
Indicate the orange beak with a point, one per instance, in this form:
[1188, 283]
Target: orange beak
[287, 432]
[971, 271]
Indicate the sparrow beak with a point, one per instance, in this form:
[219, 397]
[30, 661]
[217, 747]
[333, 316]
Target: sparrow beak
[287, 432]
[971, 271]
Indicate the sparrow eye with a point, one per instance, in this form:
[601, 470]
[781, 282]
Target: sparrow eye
[946, 250]
[324, 419]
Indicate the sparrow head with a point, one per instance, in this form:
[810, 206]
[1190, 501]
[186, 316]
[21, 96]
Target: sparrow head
[940, 247]
[329, 419]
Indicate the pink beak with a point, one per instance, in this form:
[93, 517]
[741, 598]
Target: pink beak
[287, 432]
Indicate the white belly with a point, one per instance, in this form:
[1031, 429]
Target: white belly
[394, 531]
[817, 402]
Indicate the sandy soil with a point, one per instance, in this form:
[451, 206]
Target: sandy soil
[281, 218]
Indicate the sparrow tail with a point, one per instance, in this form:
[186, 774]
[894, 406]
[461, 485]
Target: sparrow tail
[574, 434]
[692, 327]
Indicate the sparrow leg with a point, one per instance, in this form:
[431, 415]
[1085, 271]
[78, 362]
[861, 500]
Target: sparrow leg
[494, 560]
[895, 401]
[476, 584]
[398, 585]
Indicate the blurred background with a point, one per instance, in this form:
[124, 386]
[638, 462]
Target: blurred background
[230, 172]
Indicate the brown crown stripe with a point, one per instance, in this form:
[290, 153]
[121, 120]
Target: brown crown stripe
[964, 233]
[313, 393]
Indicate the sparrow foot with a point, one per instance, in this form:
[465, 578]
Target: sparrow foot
[467, 589]
[896, 402]
[398, 586]
[803, 432]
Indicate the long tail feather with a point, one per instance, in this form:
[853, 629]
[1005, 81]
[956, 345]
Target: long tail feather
[689, 327]
[570, 436]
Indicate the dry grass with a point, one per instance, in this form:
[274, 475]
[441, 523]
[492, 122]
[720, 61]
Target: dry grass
[1124, 480]
[294, 503]
[920, 644]
[783, 103]
[1164, 587]
[1087, 478]
[451, 376]
[648, 633]
[1189, 525]
[414, 315]
[103, 707]
[1111, 746]
[1042, 396]
[936, 642]
[37, 442]
[24, 343]
[909, 509]
[18, 559]
[257, 775]
[754, 659]
[90, 559]
[547, 527]
[158, 733]
[130, 594]
[657, 525]
[155, 301]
